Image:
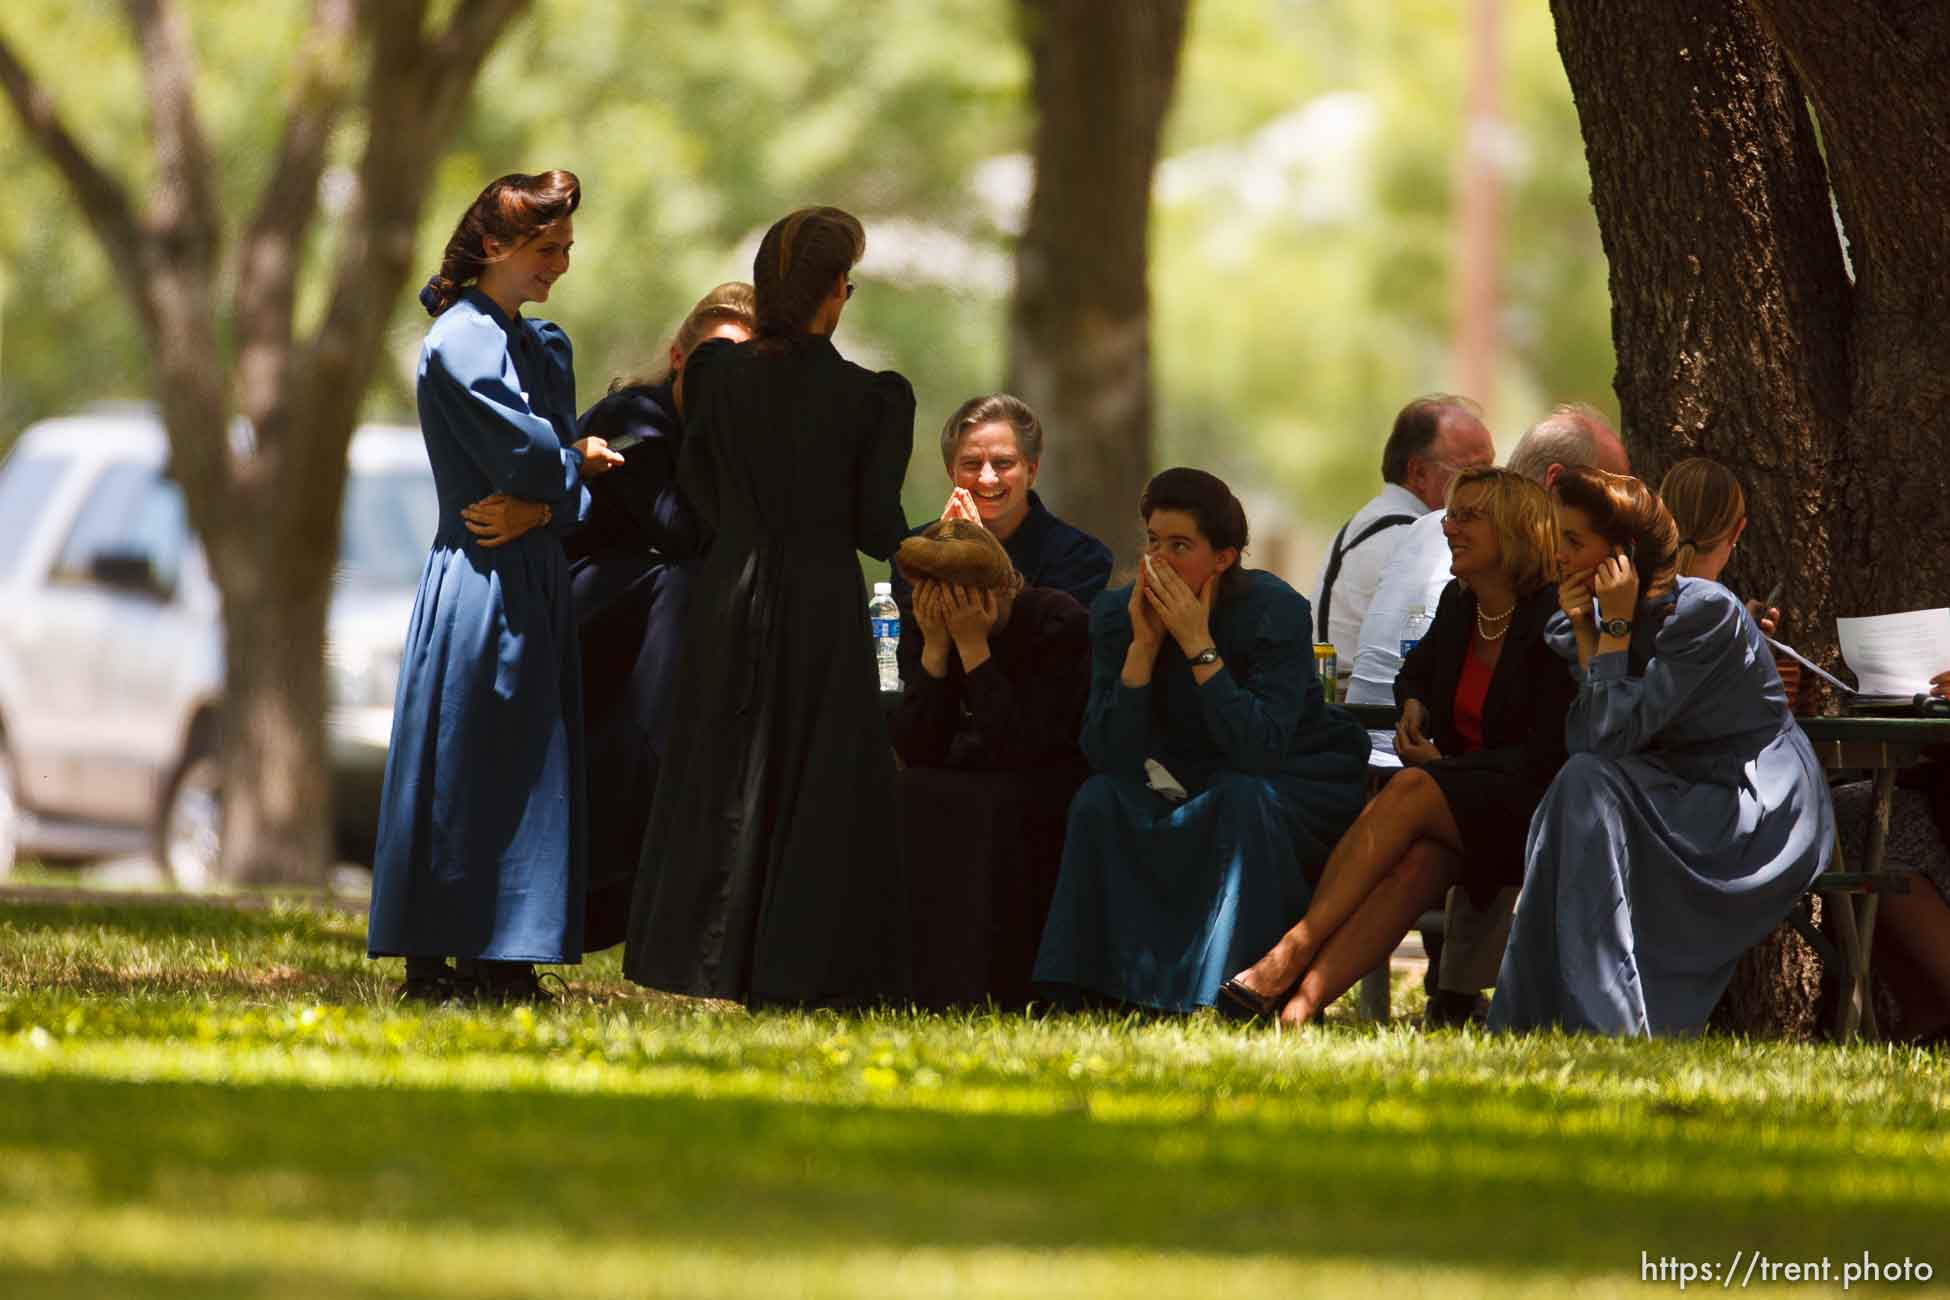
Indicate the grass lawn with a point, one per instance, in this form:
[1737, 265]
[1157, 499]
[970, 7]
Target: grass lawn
[198, 1101]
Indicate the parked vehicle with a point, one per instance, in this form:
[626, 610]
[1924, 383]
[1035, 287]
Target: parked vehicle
[111, 644]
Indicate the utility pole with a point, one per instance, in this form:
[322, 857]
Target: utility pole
[1475, 339]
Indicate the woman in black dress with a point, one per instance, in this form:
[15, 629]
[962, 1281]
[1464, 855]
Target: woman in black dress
[1483, 699]
[996, 676]
[770, 872]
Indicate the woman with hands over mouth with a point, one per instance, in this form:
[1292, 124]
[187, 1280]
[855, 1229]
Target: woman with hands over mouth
[1691, 812]
[1222, 775]
[1481, 735]
[996, 676]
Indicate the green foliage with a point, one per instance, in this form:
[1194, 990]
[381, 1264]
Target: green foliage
[199, 1101]
[1301, 279]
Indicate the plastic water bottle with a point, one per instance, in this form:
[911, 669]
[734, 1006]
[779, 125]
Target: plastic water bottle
[1413, 630]
[885, 616]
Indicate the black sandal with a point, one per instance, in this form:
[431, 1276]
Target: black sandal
[1237, 1002]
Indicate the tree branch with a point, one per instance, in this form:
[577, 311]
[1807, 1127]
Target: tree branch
[267, 273]
[104, 203]
[184, 211]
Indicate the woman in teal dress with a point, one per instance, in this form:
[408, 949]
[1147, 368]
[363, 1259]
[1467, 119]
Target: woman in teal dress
[480, 853]
[1223, 776]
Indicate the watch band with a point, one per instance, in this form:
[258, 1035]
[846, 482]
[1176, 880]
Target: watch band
[1209, 655]
[1620, 627]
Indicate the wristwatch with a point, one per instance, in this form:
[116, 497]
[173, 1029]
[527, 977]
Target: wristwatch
[1618, 627]
[1209, 655]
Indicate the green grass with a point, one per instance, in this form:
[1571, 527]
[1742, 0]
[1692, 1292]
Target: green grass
[203, 1102]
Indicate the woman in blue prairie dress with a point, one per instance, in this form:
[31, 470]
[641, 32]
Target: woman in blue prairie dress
[1223, 776]
[1692, 812]
[480, 850]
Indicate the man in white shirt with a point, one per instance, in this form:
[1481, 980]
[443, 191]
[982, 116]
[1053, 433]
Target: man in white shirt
[1418, 568]
[1434, 439]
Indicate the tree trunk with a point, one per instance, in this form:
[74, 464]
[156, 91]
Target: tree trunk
[267, 506]
[1079, 338]
[1739, 333]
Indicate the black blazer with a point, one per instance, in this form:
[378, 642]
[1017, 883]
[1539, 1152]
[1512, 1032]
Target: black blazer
[1530, 691]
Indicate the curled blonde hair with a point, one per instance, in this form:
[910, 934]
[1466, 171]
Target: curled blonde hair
[1526, 529]
[1706, 504]
[731, 303]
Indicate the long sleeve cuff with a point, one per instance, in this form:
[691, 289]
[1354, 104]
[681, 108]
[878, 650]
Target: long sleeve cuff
[1611, 666]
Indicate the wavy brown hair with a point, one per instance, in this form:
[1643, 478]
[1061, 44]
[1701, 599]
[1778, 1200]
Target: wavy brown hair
[1706, 504]
[1221, 519]
[511, 209]
[798, 261]
[1627, 514]
[1520, 513]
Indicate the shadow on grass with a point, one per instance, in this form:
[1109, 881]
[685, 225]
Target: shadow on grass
[738, 1174]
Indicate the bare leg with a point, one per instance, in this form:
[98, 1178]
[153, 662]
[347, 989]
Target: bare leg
[1418, 881]
[1411, 807]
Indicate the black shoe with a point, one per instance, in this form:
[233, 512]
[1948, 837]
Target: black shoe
[1448, 1009]
[434, 990]
[517, 984]
[1237, 1002]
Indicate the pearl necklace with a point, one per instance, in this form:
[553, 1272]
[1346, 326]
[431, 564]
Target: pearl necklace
[1500, 621]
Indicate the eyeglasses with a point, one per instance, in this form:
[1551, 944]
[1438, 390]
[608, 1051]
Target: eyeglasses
[1467, 514]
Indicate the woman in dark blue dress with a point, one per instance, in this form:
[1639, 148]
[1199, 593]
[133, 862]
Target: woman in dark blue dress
[770, 873]
[1223, 776]
[480, 849]
[992, 447]
[630, 567]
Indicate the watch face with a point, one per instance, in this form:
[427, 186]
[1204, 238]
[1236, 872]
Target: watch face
[1616, 627]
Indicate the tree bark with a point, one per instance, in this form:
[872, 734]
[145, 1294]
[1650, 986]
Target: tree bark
[1740, 332]
[266, 503]
[1079, 336]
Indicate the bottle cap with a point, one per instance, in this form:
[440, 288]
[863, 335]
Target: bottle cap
[883, 588]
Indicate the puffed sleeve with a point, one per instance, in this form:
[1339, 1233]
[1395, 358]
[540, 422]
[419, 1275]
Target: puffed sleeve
[471, 381]
[1254, 717]
[888, 426]
[1117, 720]
[1616, 713]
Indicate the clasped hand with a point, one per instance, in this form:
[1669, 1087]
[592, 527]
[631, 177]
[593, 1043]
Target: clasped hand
[499, 519]
[1614, 584]
[1162, 602]
[949, 613]
[1412, 744]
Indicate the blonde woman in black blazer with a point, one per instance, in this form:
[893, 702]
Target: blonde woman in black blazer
[1483, 702]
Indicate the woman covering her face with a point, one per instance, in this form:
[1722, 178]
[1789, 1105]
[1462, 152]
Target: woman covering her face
[1692, 811]
[1481, 735]
[481, 850]
[767, 873]
[1223, 776]
[995, 676]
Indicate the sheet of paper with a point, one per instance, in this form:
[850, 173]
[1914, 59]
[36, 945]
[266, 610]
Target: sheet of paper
[1896, 654]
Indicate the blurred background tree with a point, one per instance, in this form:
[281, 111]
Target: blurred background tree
[1303, 245]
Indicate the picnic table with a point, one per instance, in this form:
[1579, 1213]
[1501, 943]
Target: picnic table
[1880, 746]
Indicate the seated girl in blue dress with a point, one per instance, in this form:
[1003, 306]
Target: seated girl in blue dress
[1692, 811]
[1223, 776]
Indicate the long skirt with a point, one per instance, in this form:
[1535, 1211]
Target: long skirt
[1157, 903]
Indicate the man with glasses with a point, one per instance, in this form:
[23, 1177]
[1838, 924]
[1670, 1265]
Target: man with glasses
[1435, 438]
